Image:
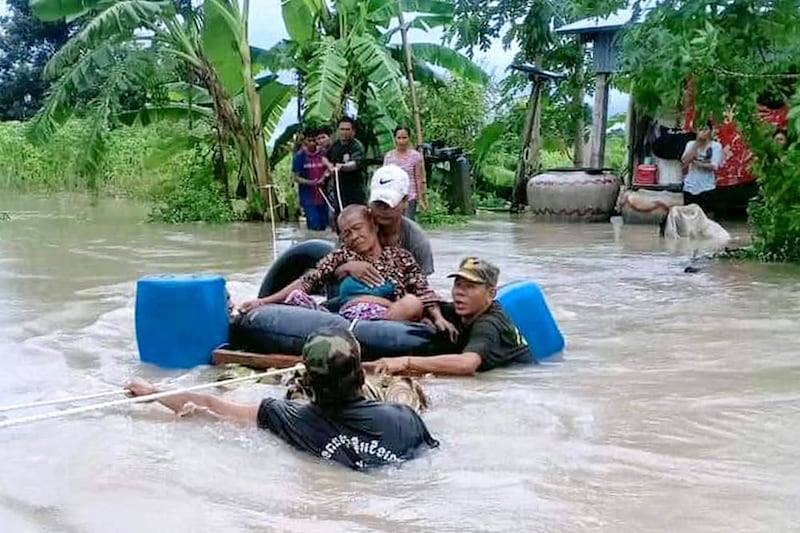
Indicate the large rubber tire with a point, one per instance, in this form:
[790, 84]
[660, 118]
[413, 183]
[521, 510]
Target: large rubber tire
[283, 329]
[292, 264]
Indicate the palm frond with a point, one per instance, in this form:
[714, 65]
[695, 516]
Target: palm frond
[117, 21]
[274, 96]
[326, 80]
[381, 70]
[450, 60]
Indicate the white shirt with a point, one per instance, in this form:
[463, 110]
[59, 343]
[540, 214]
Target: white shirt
[699, 180]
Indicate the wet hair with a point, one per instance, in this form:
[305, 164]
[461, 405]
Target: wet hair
[345, 378]
[400, 128]
[347, 120]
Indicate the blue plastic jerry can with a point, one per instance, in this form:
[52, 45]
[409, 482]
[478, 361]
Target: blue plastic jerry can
[525, 305]
[180, 319]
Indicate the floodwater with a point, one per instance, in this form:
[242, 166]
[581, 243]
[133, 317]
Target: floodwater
[675, 408]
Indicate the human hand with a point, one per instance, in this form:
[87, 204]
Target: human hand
[365, 273]
[444, 325]
[246, 307]
[140, 387]
[390, 365]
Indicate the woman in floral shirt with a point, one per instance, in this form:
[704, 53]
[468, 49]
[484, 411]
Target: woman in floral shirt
[404, 294]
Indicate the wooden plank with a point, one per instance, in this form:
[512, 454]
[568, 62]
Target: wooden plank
[597, 139]
[255, 360]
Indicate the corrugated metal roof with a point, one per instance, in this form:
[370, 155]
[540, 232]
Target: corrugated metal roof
[599, 24]
[610, 23]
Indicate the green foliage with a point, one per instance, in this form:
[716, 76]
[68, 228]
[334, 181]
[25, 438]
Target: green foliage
[343, 52]
[775, 214]
[25, 46]
[143, 163]
[733, 51]
[455, 113]
[194, 197]
[439, 213]
[55, 166]
[286, 187]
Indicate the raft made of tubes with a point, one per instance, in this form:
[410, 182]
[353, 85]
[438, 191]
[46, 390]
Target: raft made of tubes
[182, 320]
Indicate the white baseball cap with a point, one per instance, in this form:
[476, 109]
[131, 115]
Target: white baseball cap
[389, 185]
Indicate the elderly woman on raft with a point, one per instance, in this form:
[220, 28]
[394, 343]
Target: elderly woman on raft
[405, 294]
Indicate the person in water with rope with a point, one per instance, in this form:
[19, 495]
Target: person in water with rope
[337, 425]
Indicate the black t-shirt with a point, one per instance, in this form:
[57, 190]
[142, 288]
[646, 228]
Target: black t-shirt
[492, 336]
[351, 182]
[360, 435]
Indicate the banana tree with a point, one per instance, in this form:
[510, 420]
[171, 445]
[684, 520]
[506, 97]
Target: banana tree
[210, 44]
[344, 55]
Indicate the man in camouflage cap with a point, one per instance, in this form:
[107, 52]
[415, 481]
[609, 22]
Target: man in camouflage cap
[486, 336]
[338, 425]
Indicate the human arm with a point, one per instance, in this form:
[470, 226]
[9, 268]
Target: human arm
[189, 403]
[307, 283]
[298, 168]
[689, 153]
[274, 298]
[300, 180]
[356, 158]
[460, 364]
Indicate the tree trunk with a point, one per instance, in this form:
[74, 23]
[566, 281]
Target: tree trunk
[410, 74]
[255, 131]
[219, 166]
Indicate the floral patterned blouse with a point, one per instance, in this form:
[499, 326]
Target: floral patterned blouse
[396, 265]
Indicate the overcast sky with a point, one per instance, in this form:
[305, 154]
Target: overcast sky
[266, 29]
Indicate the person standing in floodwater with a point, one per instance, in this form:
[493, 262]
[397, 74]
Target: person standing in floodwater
[412, 162]
[347, 156]
[703, 158]
[308, 171]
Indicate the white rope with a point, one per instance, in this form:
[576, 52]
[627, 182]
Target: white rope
[338, 189]
[72, 399]
[142, 399]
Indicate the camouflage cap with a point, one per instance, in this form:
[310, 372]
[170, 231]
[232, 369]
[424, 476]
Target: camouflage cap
[477, 270]
[327, 345]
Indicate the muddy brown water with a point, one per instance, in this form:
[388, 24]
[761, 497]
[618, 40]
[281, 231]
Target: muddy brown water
[675, 407]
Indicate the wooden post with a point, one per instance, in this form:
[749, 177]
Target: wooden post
[579, 141]
[531, 134]
[597, 140]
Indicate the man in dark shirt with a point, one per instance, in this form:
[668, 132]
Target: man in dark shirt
[347, 155]
[338, 425]
[486, 339]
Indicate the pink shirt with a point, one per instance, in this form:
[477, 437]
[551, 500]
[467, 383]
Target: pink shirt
[409, 162]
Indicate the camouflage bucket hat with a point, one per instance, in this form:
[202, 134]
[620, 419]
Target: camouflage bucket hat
[327, 345]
